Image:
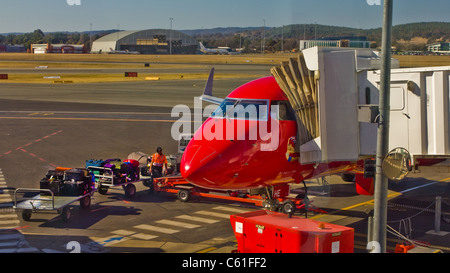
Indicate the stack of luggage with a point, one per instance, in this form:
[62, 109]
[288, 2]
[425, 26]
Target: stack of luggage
[67, 182]
[121, 172]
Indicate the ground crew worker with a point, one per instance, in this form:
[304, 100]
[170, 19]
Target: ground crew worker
[159, 161]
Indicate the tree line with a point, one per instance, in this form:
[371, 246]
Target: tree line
[254, 40]
[39, 37]
[402, 36]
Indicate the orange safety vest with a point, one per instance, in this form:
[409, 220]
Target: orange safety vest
[159, 160]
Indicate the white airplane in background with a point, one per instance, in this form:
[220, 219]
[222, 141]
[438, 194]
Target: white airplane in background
[219, 50]
[112, 51]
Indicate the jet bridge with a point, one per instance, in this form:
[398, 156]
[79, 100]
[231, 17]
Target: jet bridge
[335, 93]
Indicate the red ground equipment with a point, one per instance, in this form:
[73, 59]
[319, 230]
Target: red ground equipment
[272, 232]
[278, 201]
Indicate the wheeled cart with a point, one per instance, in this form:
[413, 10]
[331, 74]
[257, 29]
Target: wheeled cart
[274, 198]
[45, 201]
[106, 179]
[113, 173]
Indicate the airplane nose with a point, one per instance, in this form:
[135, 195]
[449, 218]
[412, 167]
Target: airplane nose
[197, 161]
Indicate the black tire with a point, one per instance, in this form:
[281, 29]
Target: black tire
[102, 190]
[145, 171]
[130, 190]
[147, 182]
[26, 214]
[184, 195]
[65, 214]
[85, 202]
[288, 207]
[151, 186]
[348, 177]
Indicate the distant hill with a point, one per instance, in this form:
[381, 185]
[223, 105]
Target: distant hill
[413, 36]
[221, 30]
[429, 30]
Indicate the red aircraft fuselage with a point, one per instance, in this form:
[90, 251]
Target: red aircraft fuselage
[249, 141]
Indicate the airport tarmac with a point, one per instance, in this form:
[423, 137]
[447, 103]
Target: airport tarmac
[131, 94]
[177, 69]
[49, 125]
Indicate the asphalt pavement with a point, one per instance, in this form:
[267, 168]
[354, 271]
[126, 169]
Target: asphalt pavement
[46, 126]
[49, 125]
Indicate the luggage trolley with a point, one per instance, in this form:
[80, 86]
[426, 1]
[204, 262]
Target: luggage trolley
[46, 202]
[108, 175]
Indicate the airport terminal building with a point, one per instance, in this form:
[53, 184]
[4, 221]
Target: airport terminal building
[152, 41]
[353, 42]
[440, 47]
[58, 48]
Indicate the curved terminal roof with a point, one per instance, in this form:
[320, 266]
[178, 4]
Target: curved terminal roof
[113, 41]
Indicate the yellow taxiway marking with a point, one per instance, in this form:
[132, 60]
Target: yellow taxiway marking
[392, 195]
[92, 119]
[206, 250]
[41, 114]
[370, 202]
[98, 119]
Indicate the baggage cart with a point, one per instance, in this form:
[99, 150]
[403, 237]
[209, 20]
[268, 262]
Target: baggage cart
[113, 173]
[68, 182]
[45, 201]
[108, 179]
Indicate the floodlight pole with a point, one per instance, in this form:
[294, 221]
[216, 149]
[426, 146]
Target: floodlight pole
[381, 181]
[170, 34]
[263, 44]
[90, 37]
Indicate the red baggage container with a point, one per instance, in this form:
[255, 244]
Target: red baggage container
[133, 162]
[271, 232]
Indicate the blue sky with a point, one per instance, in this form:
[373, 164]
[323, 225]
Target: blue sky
[58, 15]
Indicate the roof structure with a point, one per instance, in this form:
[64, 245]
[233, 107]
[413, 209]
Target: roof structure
[115, 41]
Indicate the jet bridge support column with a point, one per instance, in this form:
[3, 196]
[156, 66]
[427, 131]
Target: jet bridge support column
[381, 182]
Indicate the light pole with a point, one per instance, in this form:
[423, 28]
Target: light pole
[315, 31]
[117, 43]
[90, 37]
[264, 37]
[381, 181]
[240, 41]
[170, 39]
